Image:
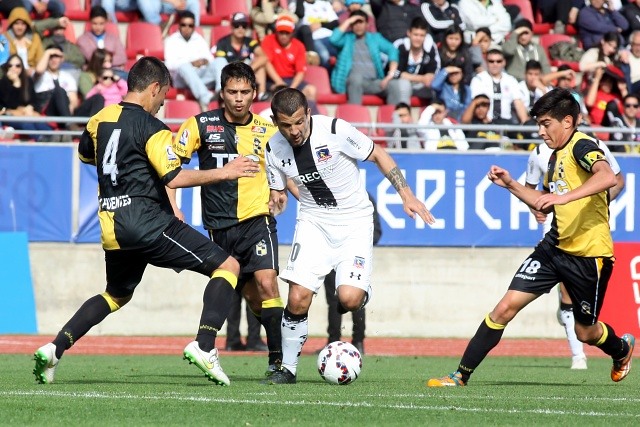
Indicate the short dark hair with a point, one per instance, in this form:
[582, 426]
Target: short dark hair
[240, 71]
[532, 64]
[186, 14]
[148, 70]
[631, 95]
[287, 101]
[361, 13]
[485, 30]
[557, 104]
[420, 23]
[98, 12]
[401, 105]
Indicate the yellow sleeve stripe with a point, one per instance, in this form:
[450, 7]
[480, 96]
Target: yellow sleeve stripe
[493, 325]
[227, 275]
[605, 334]
[273, 303]
[112, 304]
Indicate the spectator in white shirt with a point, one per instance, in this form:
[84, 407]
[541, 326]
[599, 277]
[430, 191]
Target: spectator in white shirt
[449, 138]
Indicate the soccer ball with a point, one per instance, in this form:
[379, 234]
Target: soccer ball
[339, 363]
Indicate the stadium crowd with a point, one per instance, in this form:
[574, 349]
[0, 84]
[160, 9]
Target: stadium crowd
[470, 62]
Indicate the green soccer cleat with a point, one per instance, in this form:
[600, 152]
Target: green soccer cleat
[207, 362]
[46, 363]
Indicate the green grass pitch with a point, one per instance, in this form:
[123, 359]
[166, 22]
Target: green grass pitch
[165, 390]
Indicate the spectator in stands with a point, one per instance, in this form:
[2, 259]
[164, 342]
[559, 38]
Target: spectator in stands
[73, 58]
[110, 87]
[101, 59]
[455, 52]
[485, 13]
[359, 69]
[403, 137]
[237, 46]
[348, 7]
[520, 48]
[17, 96]
[419, 59]
[317, 19]
[393, 17]
[265, 14]
[441, 15]
[627, 119]
[502, 88]
[560, 13]
[608, 86]
[189, 60]
[477, 113]
[449, 138]
[565, 79]
[449, 87]
[4, 46]
[287, 59]
[23, 39]
[631, 12]
[151, 10]
[480, 45]
[600, 56]
[631, 66]
[596, 19]
[98, 38]
[39, 8]
[533, 86]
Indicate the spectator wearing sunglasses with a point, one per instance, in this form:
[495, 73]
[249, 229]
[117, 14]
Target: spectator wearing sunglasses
[110, 86]
[189, 60]
[627, 118]
[237, 46]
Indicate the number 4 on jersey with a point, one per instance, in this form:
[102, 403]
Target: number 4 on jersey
[109, 165]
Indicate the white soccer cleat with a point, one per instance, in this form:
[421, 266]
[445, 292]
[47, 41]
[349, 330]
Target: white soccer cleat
[46, 363]
[207, 362]
[579, 362]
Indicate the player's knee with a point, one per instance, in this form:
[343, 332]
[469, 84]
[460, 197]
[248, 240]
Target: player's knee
[588, 334]
[231, 265]
[116, 303]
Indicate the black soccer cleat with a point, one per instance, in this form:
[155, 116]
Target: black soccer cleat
[281, 376]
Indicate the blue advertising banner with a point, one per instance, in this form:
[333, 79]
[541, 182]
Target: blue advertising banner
[469, 209]
[35, 191]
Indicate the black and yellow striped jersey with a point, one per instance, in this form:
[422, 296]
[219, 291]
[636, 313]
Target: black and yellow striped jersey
[134, 158]
[217, 141]
[580, 227]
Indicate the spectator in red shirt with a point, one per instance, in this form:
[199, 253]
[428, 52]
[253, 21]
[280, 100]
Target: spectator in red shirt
[287, 59]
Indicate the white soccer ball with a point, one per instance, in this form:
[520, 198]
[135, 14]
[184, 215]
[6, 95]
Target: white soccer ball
[339, 363]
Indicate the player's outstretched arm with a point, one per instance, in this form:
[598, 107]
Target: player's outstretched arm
[502, 178]
[241, 167]
[390, 170]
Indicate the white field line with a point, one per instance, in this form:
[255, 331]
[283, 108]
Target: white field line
[207, 399]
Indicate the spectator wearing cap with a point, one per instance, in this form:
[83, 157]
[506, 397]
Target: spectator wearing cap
[393, 17]
[98, 38]
[608, 86]
[520, 48]
[441, 15]
[237, 46]
[485, 13]
[359, 69]
[287, 59]
[317, 21]
[189, 60]
[265, 14]
[595, 20]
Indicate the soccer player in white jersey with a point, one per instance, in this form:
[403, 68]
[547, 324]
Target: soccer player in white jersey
[334, 227]
[536, 168]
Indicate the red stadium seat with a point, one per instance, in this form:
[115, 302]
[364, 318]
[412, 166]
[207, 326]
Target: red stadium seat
[526, 11]
[259, 106]
[77, 10]
[223, 9]
[144, 38]
[354, 113]
[175, 109]
[319, 77]
[218, 32]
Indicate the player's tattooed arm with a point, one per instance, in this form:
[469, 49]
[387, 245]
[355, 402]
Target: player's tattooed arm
[397, 179]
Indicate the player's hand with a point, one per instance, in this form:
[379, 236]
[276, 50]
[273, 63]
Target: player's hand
[241, 167]
[413, 206]
[540, 217]
[277, 202]
[547, 201]
[499, 176]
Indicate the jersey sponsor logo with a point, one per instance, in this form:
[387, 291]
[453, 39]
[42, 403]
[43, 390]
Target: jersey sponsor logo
[353, 143]
[223, 159]
[214, 128]
[184, 138]
[259, 129]
[215, 137]
[261, 248]
[170, 154]
[286, 162]
[204, 119]
[215, 147]
[323, 154]
[358, 262]
[113, 203]
[357, 276]
[559, 187]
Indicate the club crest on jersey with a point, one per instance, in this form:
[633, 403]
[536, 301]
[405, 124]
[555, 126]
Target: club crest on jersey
[259, 129]
[171, 156]
[358, 262]
[261, 248]
[257, 145]
[322, 153]
[184, 138]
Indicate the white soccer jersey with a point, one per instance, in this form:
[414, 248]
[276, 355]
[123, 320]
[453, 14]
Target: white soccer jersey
[325, 170]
